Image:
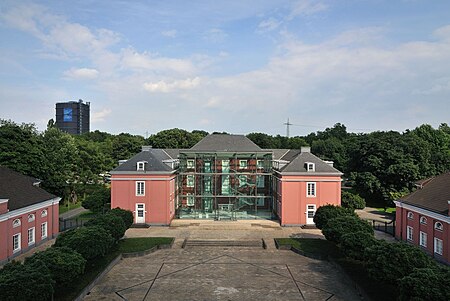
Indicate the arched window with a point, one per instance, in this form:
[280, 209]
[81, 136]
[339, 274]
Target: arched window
[438, 226]
[44, 213]
[423, 220]
[16, 223]
[410, 215]
[30, 217]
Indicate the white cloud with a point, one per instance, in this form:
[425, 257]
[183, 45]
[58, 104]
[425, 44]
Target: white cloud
[216, 35]
[81, 73]
[268, 24]
[169, 33]
[306, 8]
[166, 87]
[100, 116]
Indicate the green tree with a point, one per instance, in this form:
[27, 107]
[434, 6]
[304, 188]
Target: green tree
[97, 198]
[90, 242]
[174, 138]
[25, 282]
[337, 227]
[389, 262]
[352, 201]
[431, 284]
[125, 215]
[111, 223]
[327, 212]
[354, 244]
[64, 264]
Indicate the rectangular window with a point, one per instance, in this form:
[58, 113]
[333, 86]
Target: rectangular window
[140, 165]
[190, 200]
[423, 239]
[242, 164]
[225, 185]
[190, 181]
[260, 201]
[225, 166]
[207, 166]
[242, 180]
[207, 186]
[260, 181]
[31, 236]
[438, 246]
[310, 189]
[44, 230]
[190, 164]
[310, 166]
[260, 164]
[140, 188]
[16, 242]
[409, 233]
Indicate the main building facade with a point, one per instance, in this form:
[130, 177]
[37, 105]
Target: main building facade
[224, 177]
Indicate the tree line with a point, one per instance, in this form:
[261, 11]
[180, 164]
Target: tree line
[380, 166]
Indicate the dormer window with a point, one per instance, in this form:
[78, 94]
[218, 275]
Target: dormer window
[30, 217]
[141, 165]
[310, 166]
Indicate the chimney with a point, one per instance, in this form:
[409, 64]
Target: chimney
[329, 163]
[122, 161]
[146, 148]
[305, 149]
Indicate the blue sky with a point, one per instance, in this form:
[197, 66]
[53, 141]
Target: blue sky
[235, 66]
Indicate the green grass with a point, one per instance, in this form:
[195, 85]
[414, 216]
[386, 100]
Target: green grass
[388, 210]
[64, 208]
[354, 269]
[95, 267]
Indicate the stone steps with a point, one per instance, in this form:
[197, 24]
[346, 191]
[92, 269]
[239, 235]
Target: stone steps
[189, 243]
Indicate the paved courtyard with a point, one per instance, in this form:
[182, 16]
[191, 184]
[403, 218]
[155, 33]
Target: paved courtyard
[200, 273]
[223, 273]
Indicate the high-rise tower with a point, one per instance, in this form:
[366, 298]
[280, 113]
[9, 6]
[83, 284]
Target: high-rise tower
[73, 117]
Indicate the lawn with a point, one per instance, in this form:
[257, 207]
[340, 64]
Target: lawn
[354, 269]
[388, 210]
[95, 267]
[64, 208]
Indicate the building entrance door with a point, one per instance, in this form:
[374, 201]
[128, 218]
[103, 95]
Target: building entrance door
[140, 213]
[225, 209]
[310, 211]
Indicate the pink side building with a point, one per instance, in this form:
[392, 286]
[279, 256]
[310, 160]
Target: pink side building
[225, 177]
[423, 217]
[28, 214]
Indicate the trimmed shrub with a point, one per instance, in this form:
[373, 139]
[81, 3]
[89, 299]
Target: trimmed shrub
[389, 262]
[125, 215]
[352, 201]
[64, 264]
[336, 227]
[25, 282]
[354, 244]
[90, 242]
[111, 223]
[431, 284]
[327, 212]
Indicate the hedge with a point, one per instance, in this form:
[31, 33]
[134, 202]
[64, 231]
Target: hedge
[327, 212]
[111, 223]
[336, 227]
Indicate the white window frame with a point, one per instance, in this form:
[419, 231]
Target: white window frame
[190, 201]
[438, 246]
[311, 192]
[207, 184]
[242, 180]
[410, 215]
[207, 166]
[31, 234]
[225, 185]
[31, 217]
[140, 166]
[225, 166]
[423, 220]
[17, 239]
[16, 223]
[423, 236]
[44, 213]
[260, 164]
[438, 226]
[140, 188]
[190, 163]
[409, 233]
[44, 230]
[310, 166]
[243, 164]
[190, 181]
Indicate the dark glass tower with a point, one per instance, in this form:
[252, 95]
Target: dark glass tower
[73, 117]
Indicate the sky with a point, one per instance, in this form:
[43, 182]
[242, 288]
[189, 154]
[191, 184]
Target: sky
[236, 66]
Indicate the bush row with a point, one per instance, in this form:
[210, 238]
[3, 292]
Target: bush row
[417, 275]
[52, 270]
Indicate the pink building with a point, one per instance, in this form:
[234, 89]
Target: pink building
[224, 177]
[422, 217]
[28, 214]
